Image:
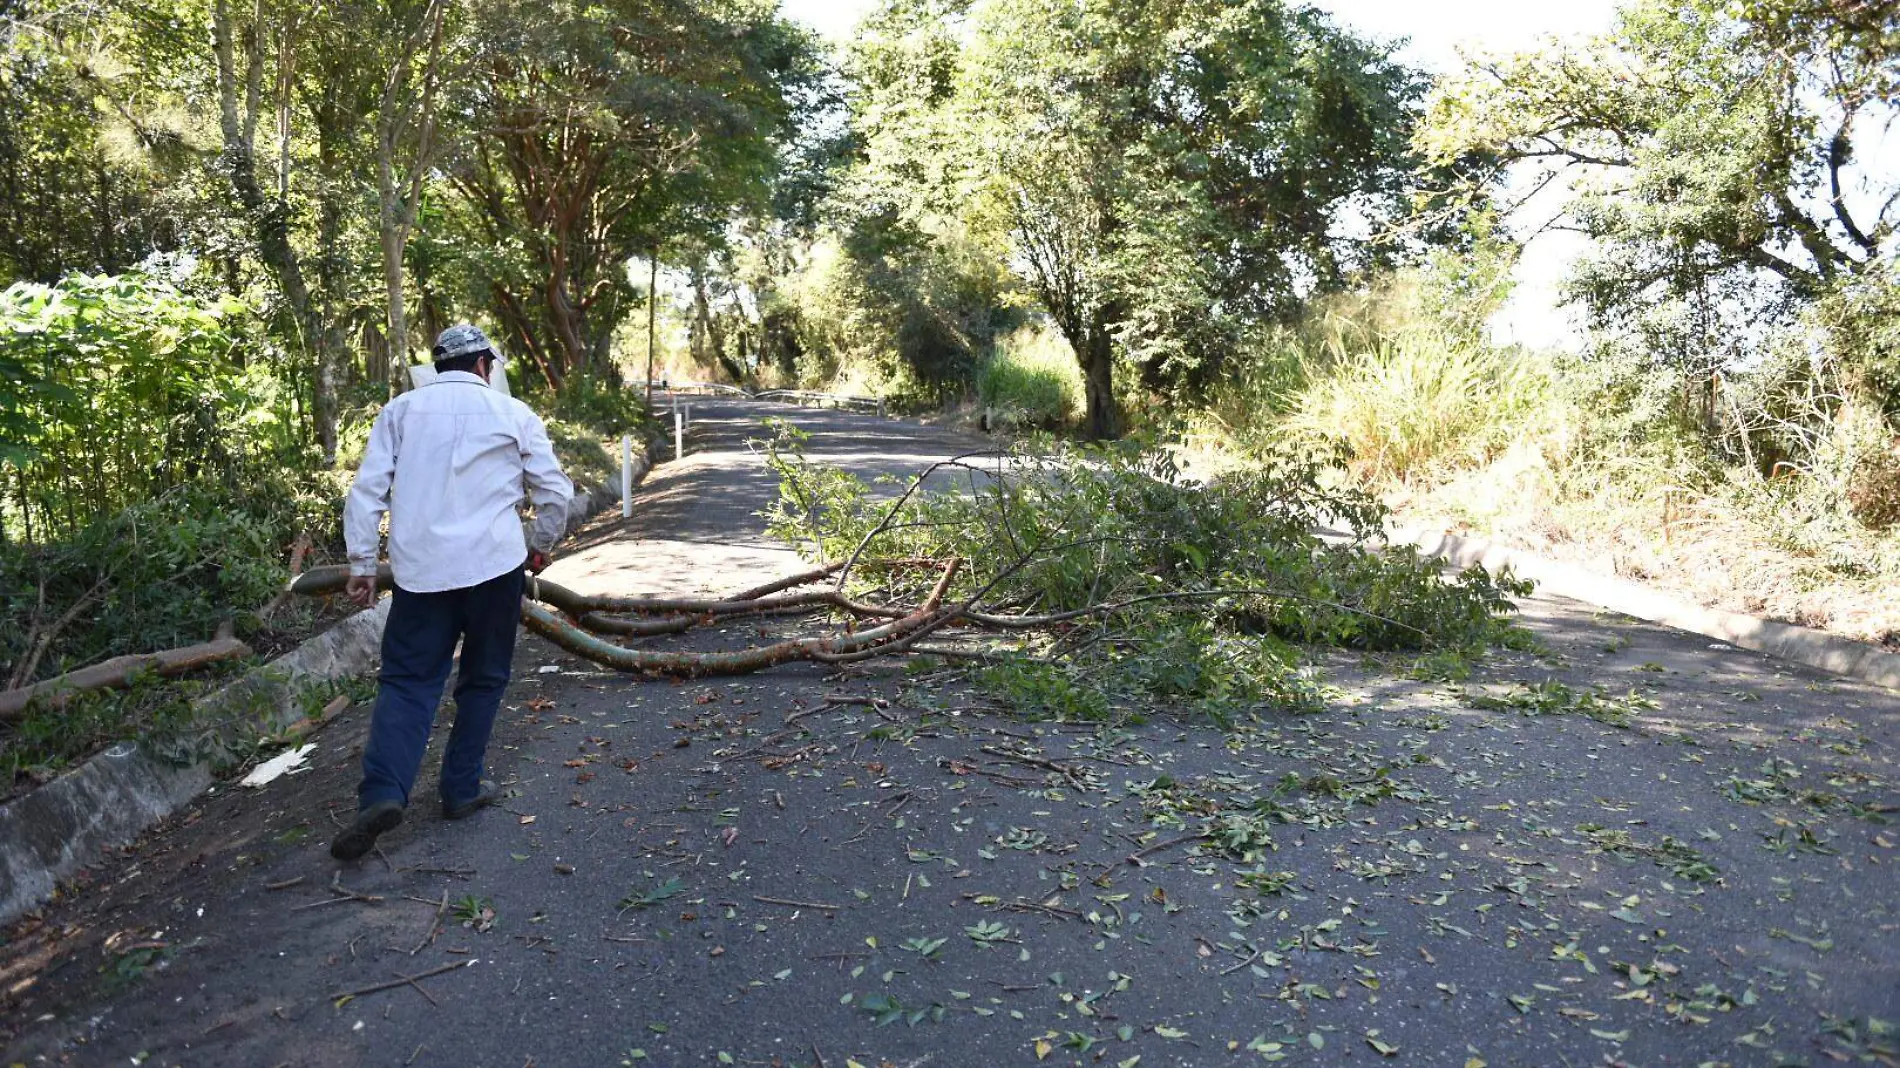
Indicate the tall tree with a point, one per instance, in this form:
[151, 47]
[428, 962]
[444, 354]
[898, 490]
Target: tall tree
[408, 144]
[315, 82]
[595, 123]
[1714, 152]
[1168, 172]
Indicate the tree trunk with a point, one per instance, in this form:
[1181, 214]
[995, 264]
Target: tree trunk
[270, 220]
[1096, 354]
[120, 671]
[515, 318]
[653, 299]
[397, 314]
[570, 350]
[333, 340]
[714, 334]
[398, 212]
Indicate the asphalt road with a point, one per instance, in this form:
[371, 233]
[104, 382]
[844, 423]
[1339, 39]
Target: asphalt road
[742, 873]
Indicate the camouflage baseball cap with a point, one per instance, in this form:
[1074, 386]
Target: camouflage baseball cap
[462, 339]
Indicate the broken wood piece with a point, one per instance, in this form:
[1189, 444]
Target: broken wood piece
[306, 724]
[435, 924]
[297, 553]
[118, 672]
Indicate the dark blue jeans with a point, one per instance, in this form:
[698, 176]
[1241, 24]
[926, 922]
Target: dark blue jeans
[418, 646]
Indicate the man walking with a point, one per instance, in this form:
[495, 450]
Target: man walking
[448, 462]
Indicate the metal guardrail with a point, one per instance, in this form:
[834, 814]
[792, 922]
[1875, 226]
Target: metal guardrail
[699, 389]
[803, 397]
[823, 400]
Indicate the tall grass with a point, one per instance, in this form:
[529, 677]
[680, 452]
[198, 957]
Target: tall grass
[1032, 381]
[1415, 404]
[1768, 489]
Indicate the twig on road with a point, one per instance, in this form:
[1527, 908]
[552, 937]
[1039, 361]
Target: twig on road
[344, 894]
[821, 906]
[435, 924]
[406, 980]
[1136, 858]
[1242, 964]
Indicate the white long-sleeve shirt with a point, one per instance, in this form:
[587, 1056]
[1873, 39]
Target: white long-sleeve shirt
[449, 462]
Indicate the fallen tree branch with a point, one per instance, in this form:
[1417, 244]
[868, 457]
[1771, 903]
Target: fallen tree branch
[405, 980]
[897, 506]
[700, 612]
[118, 672]
[886, 638]
[790, 582]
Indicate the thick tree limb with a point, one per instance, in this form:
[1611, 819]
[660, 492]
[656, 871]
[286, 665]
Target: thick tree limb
[596, 611]
[890, 637]
[118, 672]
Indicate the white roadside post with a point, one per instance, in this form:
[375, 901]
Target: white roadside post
[626, 476]
[679, 434]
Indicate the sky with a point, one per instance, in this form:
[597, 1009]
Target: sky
[1436, 31]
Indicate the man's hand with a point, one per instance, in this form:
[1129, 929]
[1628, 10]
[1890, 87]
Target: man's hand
[361, 589]
[538, 561]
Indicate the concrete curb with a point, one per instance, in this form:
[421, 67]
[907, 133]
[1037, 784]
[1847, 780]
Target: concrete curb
[1842, 656]
[111, 799]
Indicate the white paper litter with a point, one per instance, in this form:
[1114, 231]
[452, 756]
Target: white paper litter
[276, 766]
[548, 669]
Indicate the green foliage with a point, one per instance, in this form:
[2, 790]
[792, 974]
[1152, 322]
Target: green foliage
[1186, 593]
[658, 892]
[76, 198]
[1402, 374]
[586, 419]
[1110, 154]
[886, 1009]
[1553, 698]
[892, 308]
[162, 573]
[602, 130]
[601, 405]
[1717, 152]
[42, 744]
[1681, 860]
[133, 389]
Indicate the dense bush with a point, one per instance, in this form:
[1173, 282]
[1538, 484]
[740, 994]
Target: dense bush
[164, 572]
[603, 407]
[140, 389]
[1418, 401]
